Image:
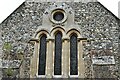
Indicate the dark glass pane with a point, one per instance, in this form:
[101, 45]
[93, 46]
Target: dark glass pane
[42, 56]
[58, 16]
[58, 54]
[73, 55]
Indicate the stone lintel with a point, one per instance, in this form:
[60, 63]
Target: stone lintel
[33, 40]
[50, 39]
[65, 39]
[82, 39]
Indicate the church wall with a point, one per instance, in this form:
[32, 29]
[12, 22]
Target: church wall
[98, 25]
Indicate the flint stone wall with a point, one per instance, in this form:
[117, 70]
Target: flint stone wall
[98, 25]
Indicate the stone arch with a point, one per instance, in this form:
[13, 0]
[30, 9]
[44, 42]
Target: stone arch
[57, 29]
[73, 31]
[40, 33]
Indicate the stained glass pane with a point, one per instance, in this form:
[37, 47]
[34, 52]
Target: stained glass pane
[73, 55]
[58, 54]
[42, 56]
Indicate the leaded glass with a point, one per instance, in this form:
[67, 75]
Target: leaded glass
[73, 55]
[42, 55]
[58, 53]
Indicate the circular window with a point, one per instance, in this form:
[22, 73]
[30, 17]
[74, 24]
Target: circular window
[58, 16]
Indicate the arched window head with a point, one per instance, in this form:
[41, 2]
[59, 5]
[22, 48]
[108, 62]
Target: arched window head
[73, 55]
[42, 55]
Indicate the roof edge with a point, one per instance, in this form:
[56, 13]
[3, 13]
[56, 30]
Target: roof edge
[116, 17]
[84, 1]
[12, 13]
[119, 9]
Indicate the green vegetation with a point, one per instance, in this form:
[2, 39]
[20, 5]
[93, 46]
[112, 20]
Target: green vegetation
[7, 46]
[9, 71]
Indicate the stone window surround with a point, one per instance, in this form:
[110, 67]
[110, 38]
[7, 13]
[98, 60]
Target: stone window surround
[49, 73]
[55, 11]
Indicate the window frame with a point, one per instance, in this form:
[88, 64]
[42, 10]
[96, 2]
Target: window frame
[74, 76]
[57, 32]
[39, 45]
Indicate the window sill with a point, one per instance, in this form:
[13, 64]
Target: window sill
[73, 76]
[57, 76]
[41, 76]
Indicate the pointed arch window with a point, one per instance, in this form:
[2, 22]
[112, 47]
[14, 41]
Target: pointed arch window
[58, 53]
[73, 55]
[42, 55]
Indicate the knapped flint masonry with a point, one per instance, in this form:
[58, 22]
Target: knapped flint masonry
[60, 39]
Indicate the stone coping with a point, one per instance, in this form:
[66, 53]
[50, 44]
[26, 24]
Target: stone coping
[84, 1]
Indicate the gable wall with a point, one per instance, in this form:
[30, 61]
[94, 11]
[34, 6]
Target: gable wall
[98, 25]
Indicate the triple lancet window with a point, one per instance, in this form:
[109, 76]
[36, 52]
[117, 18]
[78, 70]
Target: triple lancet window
[58, 54]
